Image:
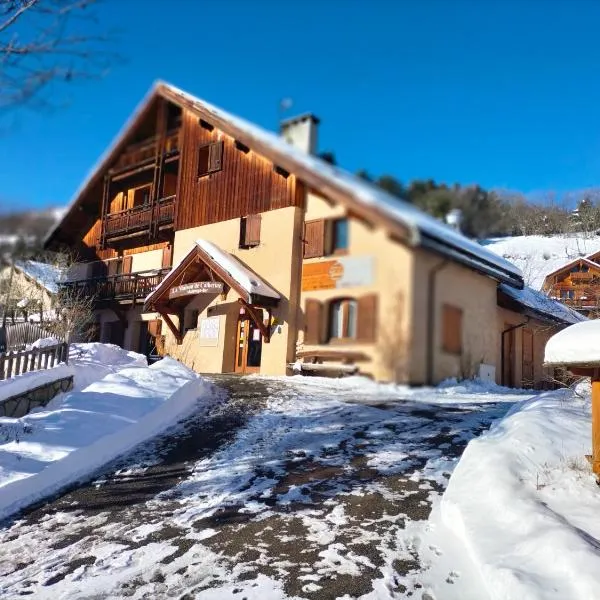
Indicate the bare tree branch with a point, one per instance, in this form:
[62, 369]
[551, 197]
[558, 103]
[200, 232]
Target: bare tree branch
[43, 42]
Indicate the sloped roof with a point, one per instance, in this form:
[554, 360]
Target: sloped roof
[542, 305]
[360, 196]
[575, 261]
[45, 275]
[250, 286]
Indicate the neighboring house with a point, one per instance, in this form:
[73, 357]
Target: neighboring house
[33, 288]
[283, 262]
[577, 284]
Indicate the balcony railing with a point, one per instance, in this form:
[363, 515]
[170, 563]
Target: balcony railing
[127, 286]
[146, 150]
[139, 218]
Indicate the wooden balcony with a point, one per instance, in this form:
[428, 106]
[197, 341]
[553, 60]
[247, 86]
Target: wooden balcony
[145, 151]
[576, 295]
[132, 287]
[140, 219]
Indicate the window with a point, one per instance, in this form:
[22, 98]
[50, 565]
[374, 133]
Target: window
[210, 158]
[141, 196]
[343, 319]
[452, 329]
[326, 236]
[250, 231]
[339, 235]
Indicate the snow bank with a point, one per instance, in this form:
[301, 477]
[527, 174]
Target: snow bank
[575, 344]
[81, 431]
[523, 504]
[87, 363]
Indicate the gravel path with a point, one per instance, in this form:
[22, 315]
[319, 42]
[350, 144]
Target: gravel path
[330, 523]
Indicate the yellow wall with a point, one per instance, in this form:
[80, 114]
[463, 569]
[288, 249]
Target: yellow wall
[392, 276]
[474, 294]
[146, 261]
[272, 260]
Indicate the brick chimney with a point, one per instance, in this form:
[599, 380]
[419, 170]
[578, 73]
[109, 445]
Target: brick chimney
[301, 132]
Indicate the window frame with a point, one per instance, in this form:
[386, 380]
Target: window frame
[348, 331]
[335, 249]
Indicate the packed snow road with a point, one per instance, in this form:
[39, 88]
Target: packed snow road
[298, 488]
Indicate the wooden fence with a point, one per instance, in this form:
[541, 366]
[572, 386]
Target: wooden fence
[24, 361]
[16, 336]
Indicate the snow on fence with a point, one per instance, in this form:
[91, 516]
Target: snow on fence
[24, 361]
[16, 336]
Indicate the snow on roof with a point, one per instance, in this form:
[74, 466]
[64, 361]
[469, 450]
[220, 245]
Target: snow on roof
[421, 225]
[248, 280]
[577, 344]
[46, 275]
[419, 222]
[539, 302]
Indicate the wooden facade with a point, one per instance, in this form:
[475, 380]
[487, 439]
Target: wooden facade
[246, 184]
[576, 284]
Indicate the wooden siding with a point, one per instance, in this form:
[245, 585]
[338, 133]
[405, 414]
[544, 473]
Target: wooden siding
[247, 183]
[92, 241]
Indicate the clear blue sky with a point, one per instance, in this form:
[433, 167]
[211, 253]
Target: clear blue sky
[502, 93]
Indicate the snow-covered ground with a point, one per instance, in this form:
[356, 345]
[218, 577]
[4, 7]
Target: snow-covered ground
[118, 402]
[519, 518]
[538, 255]
[294, 488]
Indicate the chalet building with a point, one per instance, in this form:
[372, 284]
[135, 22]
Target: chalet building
[237, 250]
[577, 284]
[27, 291]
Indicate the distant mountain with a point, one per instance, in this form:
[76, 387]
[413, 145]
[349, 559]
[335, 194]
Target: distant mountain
[26, 229]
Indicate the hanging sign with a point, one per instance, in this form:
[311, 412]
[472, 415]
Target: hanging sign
[196, 287]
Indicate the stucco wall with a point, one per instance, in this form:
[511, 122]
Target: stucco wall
[146, 261]
[273, 261]
[463, 288]
[393, 265]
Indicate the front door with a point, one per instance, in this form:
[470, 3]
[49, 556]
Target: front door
[528, 375]
[248, 346]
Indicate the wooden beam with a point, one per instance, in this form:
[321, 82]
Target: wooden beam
[265, 330]
[174, 330]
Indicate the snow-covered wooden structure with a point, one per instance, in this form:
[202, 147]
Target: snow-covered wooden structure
[577, 348]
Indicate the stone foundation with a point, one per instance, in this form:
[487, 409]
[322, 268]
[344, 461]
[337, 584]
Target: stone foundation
[21, 404]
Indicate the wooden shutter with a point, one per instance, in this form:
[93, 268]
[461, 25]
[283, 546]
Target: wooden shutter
[155, 327]
[251, 231]
[127, 261]
[113, 267]
[314, 238]
[313, 316]
[215, 157]
[167, 257]
[452, 329]
[366, 327]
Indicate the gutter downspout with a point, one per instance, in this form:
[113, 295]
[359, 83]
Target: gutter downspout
[431, 297]
[502, 338]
